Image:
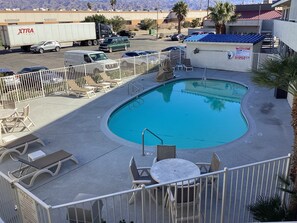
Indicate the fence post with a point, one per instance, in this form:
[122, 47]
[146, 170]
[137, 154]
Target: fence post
[147, 64]
[16, 88]
[283, 197]
[85, 69]
[134, 64]
[143, 209]
[224, 194]
[65, 73]
[41, 81]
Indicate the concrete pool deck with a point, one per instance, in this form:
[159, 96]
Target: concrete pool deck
[77, 125]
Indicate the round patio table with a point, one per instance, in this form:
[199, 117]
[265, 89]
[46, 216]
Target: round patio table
[173, 170]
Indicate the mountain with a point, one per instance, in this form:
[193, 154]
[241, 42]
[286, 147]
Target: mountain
[105, 4]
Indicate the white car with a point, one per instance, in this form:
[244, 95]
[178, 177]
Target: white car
[50, 45]
[139, 58]
[9, 78]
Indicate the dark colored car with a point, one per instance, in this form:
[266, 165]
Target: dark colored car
[127, 33]
[177, 37]
[31, 76]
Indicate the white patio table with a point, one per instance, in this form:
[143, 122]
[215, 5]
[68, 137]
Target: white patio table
[173, 170]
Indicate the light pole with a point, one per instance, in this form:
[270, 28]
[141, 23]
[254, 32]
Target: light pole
[157, 21]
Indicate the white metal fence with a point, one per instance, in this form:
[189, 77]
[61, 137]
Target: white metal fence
[22, 87]
[222, 196]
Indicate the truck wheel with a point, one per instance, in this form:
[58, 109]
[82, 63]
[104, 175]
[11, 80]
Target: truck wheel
[89, 42]
[96, 72]
[41, 50]
[57, 49]
[95, 42]
[110, 50]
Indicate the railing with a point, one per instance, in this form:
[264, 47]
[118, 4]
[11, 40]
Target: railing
[27, 86]
[134, 88]
[218, 197]
[142, 134]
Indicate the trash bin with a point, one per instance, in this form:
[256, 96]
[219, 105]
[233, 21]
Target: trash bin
[152, 31]
[279, 93]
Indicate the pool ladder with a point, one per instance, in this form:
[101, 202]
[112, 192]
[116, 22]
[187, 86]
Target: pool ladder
[143, 134]
[134, 88]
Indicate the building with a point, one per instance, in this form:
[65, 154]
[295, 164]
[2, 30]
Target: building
[231, 51]
[131, 18]
[286, 27]
[254, 18]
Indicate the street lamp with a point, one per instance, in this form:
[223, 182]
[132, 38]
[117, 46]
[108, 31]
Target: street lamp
[157, 21]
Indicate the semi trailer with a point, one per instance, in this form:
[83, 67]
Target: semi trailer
[24, 36]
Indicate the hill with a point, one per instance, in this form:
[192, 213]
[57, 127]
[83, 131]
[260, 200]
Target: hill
[105, 4]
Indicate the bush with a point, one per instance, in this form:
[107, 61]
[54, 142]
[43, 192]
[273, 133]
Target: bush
[147, 24]
[196, 22]
[187, 24]
[267, 209]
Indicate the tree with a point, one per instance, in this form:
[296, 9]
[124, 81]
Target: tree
[117, 23]
[282, 73]
[196, 22]
[181, 9]
[89, 6]
[221, 14]
[113, 3]
[96, 18]
[147, 24]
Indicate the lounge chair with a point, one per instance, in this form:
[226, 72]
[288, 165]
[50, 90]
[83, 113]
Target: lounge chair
[165, 152]
[107, 78]
[50, 163]
[187, 64]
[18, 146]
[101, 86]
[89, 211]
[184, 202]
[79, 91]
[20, 119]
[140, 176]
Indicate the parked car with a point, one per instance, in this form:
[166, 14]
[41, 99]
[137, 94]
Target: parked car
[50, 45]
[45, 75]
[138, 57]
[177, 37]
[8, 77]
[111, 44]
[129, 34]
[174, 48]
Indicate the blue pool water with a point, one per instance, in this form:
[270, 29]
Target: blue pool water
[186, 113]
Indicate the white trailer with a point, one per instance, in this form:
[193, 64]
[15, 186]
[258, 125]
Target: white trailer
[65, 33]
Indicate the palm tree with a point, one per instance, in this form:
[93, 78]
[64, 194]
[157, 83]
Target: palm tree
[113, 3]
[181, 9]
[282, 73]
[221, 14]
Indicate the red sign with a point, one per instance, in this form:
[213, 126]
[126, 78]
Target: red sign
[25, 30]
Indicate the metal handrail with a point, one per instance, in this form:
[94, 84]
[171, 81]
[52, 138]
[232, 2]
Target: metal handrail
[132, 86]
[143, 132]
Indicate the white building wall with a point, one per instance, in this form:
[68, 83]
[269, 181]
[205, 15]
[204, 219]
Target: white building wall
[286, 32]
[215, 56]
[293, 11]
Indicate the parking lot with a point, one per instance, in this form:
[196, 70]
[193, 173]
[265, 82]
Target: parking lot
[16, 59]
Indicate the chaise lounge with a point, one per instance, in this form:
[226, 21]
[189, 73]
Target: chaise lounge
[79, 91]
[18, 146]
[50, 163]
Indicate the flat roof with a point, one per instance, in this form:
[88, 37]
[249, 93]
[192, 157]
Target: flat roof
[226, 38]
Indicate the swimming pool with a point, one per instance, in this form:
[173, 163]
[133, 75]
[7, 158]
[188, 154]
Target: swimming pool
[191, 113]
